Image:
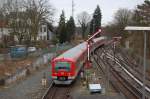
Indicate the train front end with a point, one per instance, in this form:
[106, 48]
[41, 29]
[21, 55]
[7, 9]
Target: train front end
[63, 71]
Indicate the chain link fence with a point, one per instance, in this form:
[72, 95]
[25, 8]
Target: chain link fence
[42, 57]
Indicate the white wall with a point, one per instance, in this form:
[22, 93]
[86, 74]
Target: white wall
[4, 31]
[42, 34]
[50, 35]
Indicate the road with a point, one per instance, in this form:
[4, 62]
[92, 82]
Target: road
[29, 88]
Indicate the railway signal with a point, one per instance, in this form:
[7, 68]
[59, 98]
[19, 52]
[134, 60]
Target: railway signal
[115, 40]
[89, 40]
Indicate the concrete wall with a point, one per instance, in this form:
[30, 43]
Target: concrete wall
[5, 57]
[39, 62]
[16, 76]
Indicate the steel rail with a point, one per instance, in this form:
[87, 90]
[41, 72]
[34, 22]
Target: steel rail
[47, 91]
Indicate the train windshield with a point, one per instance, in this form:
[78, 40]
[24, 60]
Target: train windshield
[65, 66]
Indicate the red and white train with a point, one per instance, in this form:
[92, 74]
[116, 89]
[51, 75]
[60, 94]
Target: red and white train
[66, 67]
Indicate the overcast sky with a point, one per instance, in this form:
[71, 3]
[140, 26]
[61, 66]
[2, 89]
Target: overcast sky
[108, 7]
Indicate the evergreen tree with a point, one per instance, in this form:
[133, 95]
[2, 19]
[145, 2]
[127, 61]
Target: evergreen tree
[92, 27]
[142, 18]
[96, 21]
[62, 35]
[70, 29]
[142, 14]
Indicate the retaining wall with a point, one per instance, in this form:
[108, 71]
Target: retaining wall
[39, 62]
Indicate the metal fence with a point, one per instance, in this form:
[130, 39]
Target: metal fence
[20, 73]
[41, 57]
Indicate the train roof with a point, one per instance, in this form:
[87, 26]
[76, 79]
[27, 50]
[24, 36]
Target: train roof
[74, 52]
[99, 38]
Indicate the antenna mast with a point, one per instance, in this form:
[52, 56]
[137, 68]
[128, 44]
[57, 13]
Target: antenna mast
[73, 8]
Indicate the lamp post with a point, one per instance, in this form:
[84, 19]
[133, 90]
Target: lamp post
[136, 28]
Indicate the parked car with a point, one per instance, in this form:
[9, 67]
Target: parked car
[32, 49]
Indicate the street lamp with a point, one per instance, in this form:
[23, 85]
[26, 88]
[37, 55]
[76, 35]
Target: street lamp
[145, 29]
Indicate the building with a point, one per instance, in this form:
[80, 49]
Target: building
[45, 32]
[4, 29]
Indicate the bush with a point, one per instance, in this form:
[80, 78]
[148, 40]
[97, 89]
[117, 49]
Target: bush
[2, 45]
[55, 40]
[42, 44]
[2, 82]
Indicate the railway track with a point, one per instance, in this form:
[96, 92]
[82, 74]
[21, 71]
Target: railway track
[124, 81]
[136, 80]
[122, 85]
[129, 89]
[131, 65]
[58, 92]
[128, 60]
[135, 75]
[136, 72]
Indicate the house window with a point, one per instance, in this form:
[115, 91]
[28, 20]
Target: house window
[41, 29]
[44, 29]
[41, 37]
[44, 37]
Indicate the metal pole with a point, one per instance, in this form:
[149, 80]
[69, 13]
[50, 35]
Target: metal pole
[73, 8]
[90, 38]
[88, 51]
[114, 53]
[108, 72]
[144, 70]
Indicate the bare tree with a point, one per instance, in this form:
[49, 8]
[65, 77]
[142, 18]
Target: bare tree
[38, 11]
[26, 16]
[4, 23]
[83, 20]
[122, 18]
